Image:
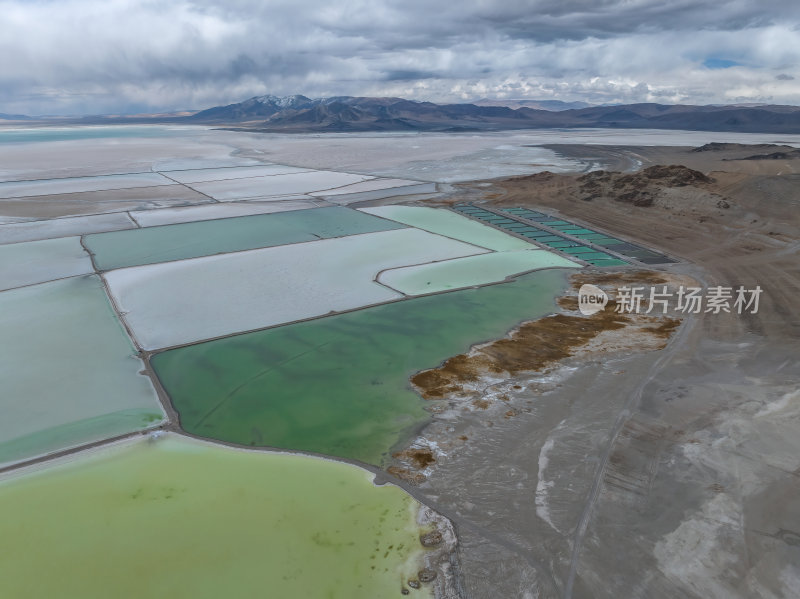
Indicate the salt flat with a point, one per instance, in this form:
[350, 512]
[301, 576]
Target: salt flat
[39, 261]
[70, 373]
[174, 303]
[470, 271]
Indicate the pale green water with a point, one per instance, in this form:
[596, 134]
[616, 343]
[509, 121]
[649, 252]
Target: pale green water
[469, 271]
[340, 385]
[70, 374]
[34, 262]
[99, 132]
[150, 245]
[450, 224]
[182, 519]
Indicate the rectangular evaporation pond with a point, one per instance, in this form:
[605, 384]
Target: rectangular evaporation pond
[19, 189]
[641, 254]
[63, 227]
[575, 232]
[70, 373]
[190, 300]
[608, 242]
[552, 223]
[152, 245]
[517, 226]
[231, 172]
[467, 272]
[522, 211]
[188, 214]
[609, 262]
[563, 226]
[276, 185]
[596, 256]
[562, 244]
[591, 236]
[536, 234]
[449, 224]
[550, 238]
[499, 220]
[622, 246]
[576, 251]
[526, 230]
[39, 261]
[340, 385]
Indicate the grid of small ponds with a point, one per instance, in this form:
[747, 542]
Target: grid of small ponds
[582, 243]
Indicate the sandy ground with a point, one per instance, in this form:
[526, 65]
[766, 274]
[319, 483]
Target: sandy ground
[643, 472]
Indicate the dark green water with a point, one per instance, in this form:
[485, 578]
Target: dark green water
[150, 245]
[340, 385]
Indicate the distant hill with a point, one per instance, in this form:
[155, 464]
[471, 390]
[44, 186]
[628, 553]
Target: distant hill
[14, 117]
[552, 105]
[349, 113]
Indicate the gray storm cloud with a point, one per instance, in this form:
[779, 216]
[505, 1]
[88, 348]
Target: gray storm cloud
[79, 56]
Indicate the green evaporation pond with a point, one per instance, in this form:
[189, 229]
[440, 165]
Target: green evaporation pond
[179, 518]
[150, 245]
[340, 385]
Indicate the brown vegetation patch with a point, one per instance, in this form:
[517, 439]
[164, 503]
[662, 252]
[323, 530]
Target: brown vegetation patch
[665, 329]
[538, 344]
[421, 458]
[415, 478]
[532, 347]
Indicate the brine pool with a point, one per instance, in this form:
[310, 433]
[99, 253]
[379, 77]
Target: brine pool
[175, 517]
[340, 385]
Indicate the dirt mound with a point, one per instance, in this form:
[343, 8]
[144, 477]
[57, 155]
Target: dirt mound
[640, 189]
[784, 155]
[675, 175]
[725, 147]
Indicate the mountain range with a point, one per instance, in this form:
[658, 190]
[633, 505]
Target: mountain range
[348, 113]
[297, 114]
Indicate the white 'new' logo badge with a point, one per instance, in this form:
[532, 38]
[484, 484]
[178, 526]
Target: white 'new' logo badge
[591, 299]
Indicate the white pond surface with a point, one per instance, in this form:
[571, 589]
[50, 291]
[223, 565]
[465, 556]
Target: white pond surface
[467, 272]
[39, 261]
[187, 214]
[173, 303]
[276, 185]
[40, 187]
[231, 172]
[64, 227]
[375, 189]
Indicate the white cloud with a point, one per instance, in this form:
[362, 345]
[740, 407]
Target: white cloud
[82, 56]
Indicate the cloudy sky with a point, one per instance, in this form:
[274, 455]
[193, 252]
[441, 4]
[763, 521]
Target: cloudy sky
[128, 56]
